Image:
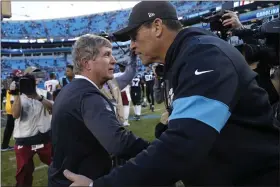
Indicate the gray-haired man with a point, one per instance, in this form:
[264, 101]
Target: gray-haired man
[85, 130]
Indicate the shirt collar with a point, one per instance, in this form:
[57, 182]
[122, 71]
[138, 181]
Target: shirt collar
[83, 77]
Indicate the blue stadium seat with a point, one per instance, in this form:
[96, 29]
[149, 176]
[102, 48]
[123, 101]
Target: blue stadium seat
[94, 23]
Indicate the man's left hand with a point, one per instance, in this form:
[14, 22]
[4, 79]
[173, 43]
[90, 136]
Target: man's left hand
[78, 180]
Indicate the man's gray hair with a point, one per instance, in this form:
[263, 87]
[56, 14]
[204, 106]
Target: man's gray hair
[87, 48]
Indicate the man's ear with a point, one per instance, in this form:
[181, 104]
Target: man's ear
[85, 64]
[158, 27]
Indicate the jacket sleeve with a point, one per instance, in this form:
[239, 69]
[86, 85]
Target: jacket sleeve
[128, 74]
[103, 124]
[206, 82]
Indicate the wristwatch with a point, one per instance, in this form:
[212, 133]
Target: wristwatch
[41, 99]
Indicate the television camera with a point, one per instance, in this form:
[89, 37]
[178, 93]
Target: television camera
[261, 41]
[24, 83]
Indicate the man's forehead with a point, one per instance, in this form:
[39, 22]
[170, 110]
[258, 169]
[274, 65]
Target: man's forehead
[106, 49]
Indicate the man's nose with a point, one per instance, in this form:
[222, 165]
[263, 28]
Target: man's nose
[113, 60]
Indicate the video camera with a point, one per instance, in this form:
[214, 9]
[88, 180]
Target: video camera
[216, 23]
[261, 42]
[25, 84]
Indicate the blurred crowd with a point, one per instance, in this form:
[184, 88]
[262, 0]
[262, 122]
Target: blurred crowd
[54, 63]
[95, 23]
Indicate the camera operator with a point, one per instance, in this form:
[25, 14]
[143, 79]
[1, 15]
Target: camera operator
[9, 128]
[220, 129]
[32, 127]
[260, 63]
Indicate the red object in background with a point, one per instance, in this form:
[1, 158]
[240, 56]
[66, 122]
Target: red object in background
[124, 98]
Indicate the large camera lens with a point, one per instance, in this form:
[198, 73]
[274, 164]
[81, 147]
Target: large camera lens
[27, 85]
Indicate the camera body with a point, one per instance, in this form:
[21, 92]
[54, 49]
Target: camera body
[26, 84]
[216, 21]
[261, 42]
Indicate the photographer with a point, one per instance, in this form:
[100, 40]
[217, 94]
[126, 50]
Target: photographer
[260, 60]
[9, 128]
[32, 126]
[220, 129]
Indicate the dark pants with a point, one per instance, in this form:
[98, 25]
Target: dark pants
[150, 93]
[8, 131]
[25, 164]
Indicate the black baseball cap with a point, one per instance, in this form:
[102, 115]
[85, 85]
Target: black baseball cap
[146, 11]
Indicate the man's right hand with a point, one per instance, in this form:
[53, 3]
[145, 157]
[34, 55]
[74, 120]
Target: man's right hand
[78, 180]
[233, 20]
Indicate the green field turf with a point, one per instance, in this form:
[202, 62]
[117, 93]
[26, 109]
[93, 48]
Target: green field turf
[143, 128]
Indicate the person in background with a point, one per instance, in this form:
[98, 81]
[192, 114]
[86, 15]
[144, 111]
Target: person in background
[32, 128]
[9, 128]
[69, 76]
[135, 93]
[159, 98]
[149, 79]
[52, 85]
[3, 95]
[112, 88]
[125, 94]
[143, 98]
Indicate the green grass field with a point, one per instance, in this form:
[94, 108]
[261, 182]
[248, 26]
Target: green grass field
[143, 128]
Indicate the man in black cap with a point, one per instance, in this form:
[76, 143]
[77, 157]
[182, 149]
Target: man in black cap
[220, 128]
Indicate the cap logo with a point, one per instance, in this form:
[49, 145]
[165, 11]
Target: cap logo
[151, 15]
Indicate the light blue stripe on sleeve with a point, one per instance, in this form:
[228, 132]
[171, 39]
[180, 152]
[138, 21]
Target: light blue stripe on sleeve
[209, 111]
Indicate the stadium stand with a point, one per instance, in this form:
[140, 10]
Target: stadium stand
[96, 23]
[69, 28]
